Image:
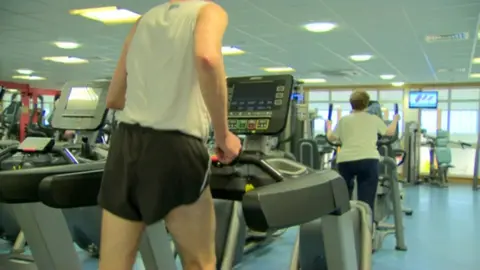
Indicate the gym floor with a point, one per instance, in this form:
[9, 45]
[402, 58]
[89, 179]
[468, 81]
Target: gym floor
[440, 235]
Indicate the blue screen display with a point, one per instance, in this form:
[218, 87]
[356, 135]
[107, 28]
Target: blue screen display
[423, 100]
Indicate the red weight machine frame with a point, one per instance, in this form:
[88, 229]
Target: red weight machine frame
[27, 94]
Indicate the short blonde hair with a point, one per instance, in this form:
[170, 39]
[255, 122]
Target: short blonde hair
[359, 100]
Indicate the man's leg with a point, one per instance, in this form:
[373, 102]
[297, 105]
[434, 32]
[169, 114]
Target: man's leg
[119, 242]
[348, 174]
[193, 230]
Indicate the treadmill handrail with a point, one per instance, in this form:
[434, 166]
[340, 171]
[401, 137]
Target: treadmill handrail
[250, 159]
[71, 190]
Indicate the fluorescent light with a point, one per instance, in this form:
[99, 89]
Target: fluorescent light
[476, 60]
[387, 76]
[279, 69]
[107, 15]
[398, 84]
[475, 75]
[65, 59]
[101, 80]
[28, 77]
[66, 45]
[320, 27]
[25, 71]
[319, 80]
[361, 57]
[228, 50]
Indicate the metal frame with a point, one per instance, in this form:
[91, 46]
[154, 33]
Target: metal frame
[48, 237]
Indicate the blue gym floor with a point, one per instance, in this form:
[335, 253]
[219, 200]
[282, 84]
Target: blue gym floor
[440, 235]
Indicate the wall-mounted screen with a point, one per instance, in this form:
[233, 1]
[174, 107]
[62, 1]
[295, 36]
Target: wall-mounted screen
[423, 100]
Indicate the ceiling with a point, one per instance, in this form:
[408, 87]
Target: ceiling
[271, 33]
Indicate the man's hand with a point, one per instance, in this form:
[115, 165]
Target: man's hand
[228, 148]
[396, 117]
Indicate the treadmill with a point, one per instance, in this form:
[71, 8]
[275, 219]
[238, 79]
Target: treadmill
[283, 190]
[24, 166]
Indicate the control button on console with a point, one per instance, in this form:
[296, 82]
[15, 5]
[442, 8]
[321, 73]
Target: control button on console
[278, 102]
[280, 88]
[279, 95]
[252, 124]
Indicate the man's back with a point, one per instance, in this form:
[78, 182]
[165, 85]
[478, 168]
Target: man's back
[358, 133]
[162, 84]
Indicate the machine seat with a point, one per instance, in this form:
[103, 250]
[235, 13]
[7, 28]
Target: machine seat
[21, 186]
[295, 201]
[71, 190]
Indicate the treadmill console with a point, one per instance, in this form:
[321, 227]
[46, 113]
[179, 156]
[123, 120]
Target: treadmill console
[259, 105]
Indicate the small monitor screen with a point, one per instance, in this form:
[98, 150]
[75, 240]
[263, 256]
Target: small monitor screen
[258, 96]
[423, 100]
[82, 100]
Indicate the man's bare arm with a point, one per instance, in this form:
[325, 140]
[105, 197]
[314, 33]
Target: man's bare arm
[212, 22]
[118, 85]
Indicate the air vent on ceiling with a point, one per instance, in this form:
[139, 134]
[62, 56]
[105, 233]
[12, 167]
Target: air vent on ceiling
[445, 70]
[98, 59]
[447, 37]
[341, 73]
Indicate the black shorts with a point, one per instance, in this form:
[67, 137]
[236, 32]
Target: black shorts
[150, 172]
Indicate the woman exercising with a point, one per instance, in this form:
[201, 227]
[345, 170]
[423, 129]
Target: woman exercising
[358, 133]
[168, 84]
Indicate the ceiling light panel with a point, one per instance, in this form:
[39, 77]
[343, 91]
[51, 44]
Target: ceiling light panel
[475, 75]
[66, 45]
[229, 50]
[313, 80]
[24, 71]
[320, 27]
[387, 76]
[361, 57]
[65, 59]
[476, 60]
[107, 15]
[398, 84]
[28, 77]
[279, 69]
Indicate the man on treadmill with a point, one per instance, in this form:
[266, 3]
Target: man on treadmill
[169, 82]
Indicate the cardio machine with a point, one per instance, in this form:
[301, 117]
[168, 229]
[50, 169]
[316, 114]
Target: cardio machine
[285, 193]
[50, 233]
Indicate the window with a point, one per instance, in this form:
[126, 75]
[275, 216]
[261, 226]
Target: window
[373, 94]
[464, 118]
[428, 118]
[465, 94]
[314, 95]
[391, 95]
[341, 95]
[322, 115]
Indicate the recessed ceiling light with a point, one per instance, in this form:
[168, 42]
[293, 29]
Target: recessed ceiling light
[279, 69]
[107, 15]
[28, 77]
[476, 60]
[66, 45]
[319, 80]
[320, 27]
[361, 57]
[228, 50]
[387, 76]
[475, 75]
[65, 59]
[398, 84]
[24, 71]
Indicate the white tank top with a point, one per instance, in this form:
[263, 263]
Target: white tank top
[163, 90]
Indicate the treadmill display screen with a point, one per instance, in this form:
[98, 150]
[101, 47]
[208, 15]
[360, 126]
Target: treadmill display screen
[258, 96]
[82, 101]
